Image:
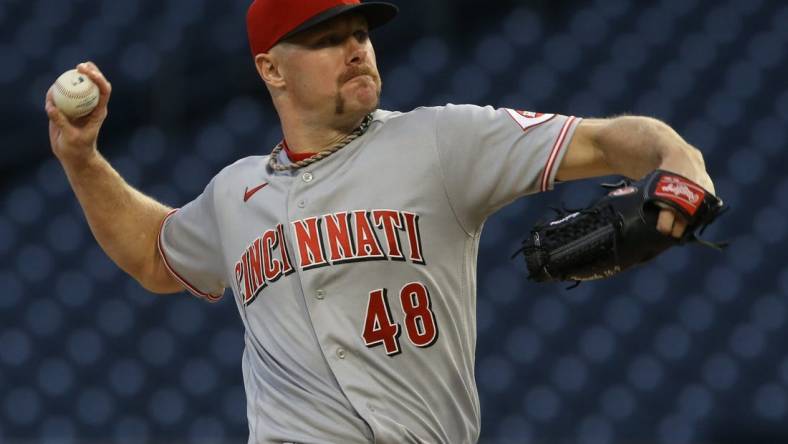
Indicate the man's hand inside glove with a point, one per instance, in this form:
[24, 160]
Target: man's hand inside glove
[633, 223]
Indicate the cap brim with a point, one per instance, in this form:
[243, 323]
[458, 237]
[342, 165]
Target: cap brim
[376, 13]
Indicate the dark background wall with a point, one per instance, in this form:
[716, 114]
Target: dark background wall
[687, 349]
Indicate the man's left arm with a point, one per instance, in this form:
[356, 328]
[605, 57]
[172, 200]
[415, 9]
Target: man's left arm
[633, 146]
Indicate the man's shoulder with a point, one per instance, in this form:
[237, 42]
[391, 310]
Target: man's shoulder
[382, 115]
[241, 170]
[422, 117]
[422, 112]
[244, 164]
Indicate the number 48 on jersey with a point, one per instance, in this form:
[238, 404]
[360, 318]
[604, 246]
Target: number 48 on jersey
[419, 320]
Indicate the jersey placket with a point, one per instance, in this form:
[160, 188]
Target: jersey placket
[341, 357]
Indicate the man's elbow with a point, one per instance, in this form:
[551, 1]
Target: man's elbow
[155, 278]
[162, 287]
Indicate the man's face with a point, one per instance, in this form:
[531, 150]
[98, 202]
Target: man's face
[332, 67]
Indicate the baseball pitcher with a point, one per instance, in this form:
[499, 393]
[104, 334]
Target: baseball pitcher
[350, 250]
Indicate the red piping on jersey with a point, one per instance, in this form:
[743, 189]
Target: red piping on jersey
[554, 153]
[178, 277]
[296, 157]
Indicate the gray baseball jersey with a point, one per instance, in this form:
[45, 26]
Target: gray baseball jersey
[355, 277]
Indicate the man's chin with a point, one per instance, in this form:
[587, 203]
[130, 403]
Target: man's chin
[369, 104]
[360, 102]
[367, 107]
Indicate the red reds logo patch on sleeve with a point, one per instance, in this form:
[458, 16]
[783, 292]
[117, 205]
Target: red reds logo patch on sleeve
[681, 191]
[528, 114]
[528, 119]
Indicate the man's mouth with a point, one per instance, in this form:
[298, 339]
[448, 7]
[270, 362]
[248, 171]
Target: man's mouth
[356, 74]
[361, 77]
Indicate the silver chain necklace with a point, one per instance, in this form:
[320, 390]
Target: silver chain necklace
[273, 160]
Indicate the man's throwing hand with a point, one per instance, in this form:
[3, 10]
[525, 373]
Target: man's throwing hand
[75, 140]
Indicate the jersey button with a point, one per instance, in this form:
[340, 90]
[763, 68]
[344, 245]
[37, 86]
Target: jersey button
[341, 353]
[307, 177]
[321, 294]
[301, 203]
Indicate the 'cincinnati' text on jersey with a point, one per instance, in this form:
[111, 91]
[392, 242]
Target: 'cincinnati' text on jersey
[331, 239]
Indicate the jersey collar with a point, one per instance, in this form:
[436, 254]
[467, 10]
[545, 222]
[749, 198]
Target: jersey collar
[296, 157]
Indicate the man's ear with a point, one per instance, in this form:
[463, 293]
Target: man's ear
[268, 68]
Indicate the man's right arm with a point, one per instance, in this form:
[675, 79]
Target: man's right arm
[124, 221]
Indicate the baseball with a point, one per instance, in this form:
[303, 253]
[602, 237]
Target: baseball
[74, 94]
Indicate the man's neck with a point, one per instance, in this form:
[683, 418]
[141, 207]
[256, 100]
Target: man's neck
[304, 136]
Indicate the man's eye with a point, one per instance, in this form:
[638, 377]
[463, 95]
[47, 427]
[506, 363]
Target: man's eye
[328, 40]
[337, 39]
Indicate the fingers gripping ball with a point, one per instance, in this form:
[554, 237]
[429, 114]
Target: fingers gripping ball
[74, 94]
[619, 230]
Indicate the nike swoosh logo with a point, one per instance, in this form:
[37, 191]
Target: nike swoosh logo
[248, 193]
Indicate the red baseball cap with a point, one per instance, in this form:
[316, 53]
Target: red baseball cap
[270, 21]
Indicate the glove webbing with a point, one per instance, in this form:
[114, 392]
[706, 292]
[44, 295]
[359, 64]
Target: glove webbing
[578, 241]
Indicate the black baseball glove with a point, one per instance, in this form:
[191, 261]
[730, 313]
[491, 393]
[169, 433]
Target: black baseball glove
[619, 230]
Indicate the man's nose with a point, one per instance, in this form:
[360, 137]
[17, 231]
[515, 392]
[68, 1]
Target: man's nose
[356, 51]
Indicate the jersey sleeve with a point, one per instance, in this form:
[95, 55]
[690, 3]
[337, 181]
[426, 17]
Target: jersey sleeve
[489, 157]
[190, 247]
